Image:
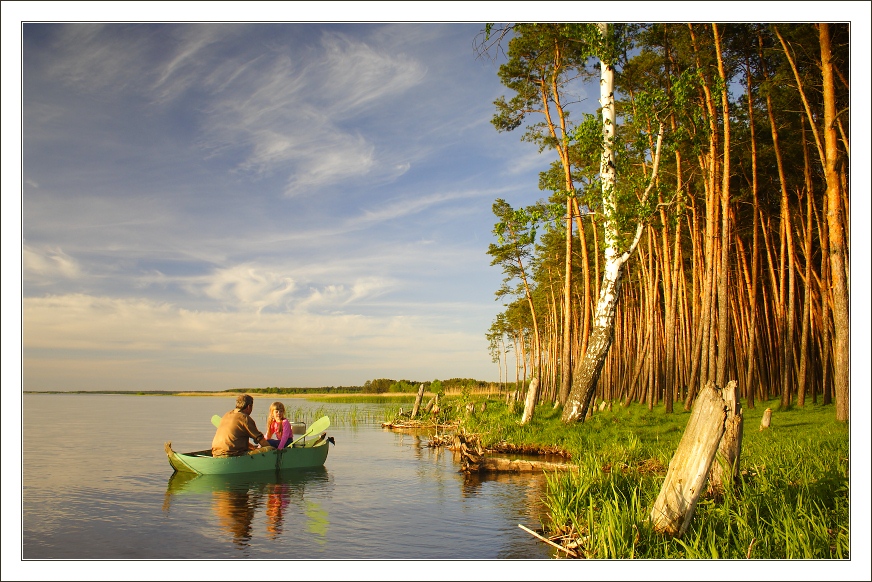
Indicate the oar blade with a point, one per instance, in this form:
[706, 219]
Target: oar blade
[216, 420]
[319, 425]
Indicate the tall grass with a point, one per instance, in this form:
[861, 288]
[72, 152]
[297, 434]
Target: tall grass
[339, 415]
[791, 502]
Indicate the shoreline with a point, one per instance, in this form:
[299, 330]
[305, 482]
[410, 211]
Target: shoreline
[234, 394]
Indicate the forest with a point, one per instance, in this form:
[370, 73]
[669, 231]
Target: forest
[695, 227]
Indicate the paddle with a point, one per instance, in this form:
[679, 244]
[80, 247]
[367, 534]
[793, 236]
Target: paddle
[319, 425]
[216, 420]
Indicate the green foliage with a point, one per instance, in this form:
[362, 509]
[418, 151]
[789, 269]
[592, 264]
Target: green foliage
[403, 386]
[378, 386]
[791, 502]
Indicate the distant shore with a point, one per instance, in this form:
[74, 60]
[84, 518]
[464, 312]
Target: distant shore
[386, 395]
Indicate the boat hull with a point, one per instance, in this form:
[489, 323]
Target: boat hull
[203, 463]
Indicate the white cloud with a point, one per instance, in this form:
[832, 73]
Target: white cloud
[129, 343]
[247, 287]
[45, 265]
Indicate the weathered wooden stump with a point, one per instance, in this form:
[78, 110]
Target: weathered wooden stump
[767, 418]
[418, 401]
[530, 402]
[725, 469]
[689, 468]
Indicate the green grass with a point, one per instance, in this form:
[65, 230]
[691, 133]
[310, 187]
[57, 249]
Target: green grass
[791, 502]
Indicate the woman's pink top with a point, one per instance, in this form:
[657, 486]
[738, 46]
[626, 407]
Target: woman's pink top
[284, 430]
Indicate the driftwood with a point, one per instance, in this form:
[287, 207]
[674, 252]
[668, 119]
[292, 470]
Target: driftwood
[767, 418]
[417, 424]
[547, 541]
[471, 452]
[473, 459]
[418, 401]
[502, 465]
[689, 467]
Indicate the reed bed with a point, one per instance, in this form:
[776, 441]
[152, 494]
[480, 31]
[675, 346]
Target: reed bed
[340, 415]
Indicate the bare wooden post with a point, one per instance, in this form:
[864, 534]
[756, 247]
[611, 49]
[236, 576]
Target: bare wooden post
[429, 406]
[689, 467]
[418, 401]
[767, 418]
[726, 467]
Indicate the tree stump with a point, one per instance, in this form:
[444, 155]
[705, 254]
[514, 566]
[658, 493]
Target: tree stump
[689, 467]
[767, 418]
[430, 404]
[530, 403]
[725, 469]
[418, 401]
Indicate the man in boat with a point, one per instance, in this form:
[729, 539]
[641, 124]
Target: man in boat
[236, 427]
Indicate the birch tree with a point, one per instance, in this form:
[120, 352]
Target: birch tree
[615, 255]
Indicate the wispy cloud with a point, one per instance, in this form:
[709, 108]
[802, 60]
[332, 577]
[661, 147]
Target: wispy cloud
[41, 266]
[256, 199]
[247, 287]
[123, 340]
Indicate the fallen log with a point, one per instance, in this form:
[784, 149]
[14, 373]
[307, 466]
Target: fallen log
[503, 465]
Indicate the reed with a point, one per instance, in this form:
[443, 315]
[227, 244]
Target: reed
[339, 415]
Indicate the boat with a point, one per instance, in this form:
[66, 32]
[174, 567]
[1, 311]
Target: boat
[300, 456]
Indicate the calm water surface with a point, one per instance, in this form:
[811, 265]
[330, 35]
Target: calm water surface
[109, 492]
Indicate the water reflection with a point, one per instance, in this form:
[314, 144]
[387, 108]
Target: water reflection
[237, 501]
[278, 498]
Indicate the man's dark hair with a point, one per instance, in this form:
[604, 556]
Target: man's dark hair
[243, 400]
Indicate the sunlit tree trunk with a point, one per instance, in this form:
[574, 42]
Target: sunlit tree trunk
[838, 247]
[751, 352]
[724, 340]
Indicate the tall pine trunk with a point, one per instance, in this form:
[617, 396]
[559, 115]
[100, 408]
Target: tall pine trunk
[838, 247]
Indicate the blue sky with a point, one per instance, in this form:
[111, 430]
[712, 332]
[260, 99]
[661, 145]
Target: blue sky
[208, 206]
[217, 205]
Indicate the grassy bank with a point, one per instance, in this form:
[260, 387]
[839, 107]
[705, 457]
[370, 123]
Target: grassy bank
[792, 501]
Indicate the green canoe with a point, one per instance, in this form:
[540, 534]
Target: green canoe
[313, 454]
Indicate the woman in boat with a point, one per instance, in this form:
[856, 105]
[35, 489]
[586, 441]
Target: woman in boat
[277, 424]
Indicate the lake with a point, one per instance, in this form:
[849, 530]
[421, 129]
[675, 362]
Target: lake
[96, 485]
